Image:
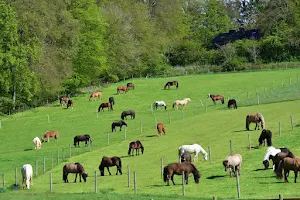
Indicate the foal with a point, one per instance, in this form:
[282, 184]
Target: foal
[233, 163]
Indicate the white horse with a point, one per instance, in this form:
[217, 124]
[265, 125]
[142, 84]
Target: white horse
[181, 102]
[195, 149]
[159, 103]
[27, 175]
[272, 151]
[37, 143]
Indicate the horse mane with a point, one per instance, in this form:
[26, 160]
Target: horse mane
[262, 119]
[165, 173]
[80, 167]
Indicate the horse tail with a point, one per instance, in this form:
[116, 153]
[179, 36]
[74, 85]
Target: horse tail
[165, 173]
[99, 108]
[279, 170]
[235, 105]
[174, 104]
[262, 119]
[177, 85]
[247, 122]
[166, 86]
[133, 115]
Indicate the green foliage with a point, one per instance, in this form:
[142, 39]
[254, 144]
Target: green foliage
[272, 50]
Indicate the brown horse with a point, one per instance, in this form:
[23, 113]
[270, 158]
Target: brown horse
[171, 83]
[232, 103]
[276, 155]
[128, 112]
[215, 98]
[96, 95]
[122, 88]
[130, 85]
[179, 169]
[160, 128]
[105, 105]
[70, 103]
[48, 134]
[82, 138]
[63, 100]
[255, 118]
[118, 123]
[76, 168]
[288, 164]
[137, 145]
[109, 162]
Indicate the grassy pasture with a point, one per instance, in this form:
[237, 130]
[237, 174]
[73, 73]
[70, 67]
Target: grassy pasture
[214, 128]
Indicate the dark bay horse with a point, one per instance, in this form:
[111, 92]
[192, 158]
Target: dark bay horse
[111, 100]
[178, 169]
[171, 83]
[105, 105]
[82, 138]
[128, 112]
[95, 95]
[288, 164]
[265, 135]
[160, 128]
[137, 145]
[276, 157]
[215, 98]
[255, 118]
[76, 168]
[130, 85]
[70, 103]
[109, 162]
[232, 103]
[186, 157]
[48, 134]
[118, 123]
[122, 88]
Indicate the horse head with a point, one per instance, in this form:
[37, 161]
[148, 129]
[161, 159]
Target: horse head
[84, 175]
[196, 176]
[205, 156]
[124, 123]
[266, 164]
[209, 96]
[225, 164]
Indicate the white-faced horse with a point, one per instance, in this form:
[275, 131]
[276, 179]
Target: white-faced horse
[160, 104]
[37, 143]
[195, 149]
[181, 102]
[27, 175]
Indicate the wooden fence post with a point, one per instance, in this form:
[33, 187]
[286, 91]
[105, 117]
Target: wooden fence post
[0, 124]
[51, 160]
[161, 167]
[205, 107]
[238, 183]
[57, 158]
[96, 187]
[230, 142]
[63, 154]
[280, 197]
[128, 175]
[183, 183]
[44, 165]
[249, 142]
[16, 176]
[134, 182]
[290, 81]
[292, 123]
[209, 154]
[279, 129]
[258, 99]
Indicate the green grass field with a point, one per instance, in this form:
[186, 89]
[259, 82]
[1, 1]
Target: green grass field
[213, 127]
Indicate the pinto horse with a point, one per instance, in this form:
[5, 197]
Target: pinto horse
[171, 83]
[95, 95]
[215, 98]
[122, 88]
[75, 168]
[130, 85]
[160, 104]
[128, 112]
[255, 118]
[181, 102]
[63, 100]
[233, 163]
[137, 145]
[82, 138]
[288, 164]
[195, 149]
[160, 128]
[105, 105]
[27, 172]
[48, 134]
[232, 103]
[276, 155]
[118, 123]
[179, 169]
[265, 135]
[70, 103]
[109, 162]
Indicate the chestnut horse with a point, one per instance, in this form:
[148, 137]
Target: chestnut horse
[232, 103]
[179, 169]
[171, 83]
[48, 134]
[255, 118]
[215, 98]
[94, 95]
[105, 105]
[109, 162]
[70, 103]
[122, 88]
[160, 128]
[130, 85]
[288, 164]
[63, 100]
[137, 145]
[76, 168]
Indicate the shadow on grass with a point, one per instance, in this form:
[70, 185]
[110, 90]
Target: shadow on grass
[151, 136]
[241, 131]
[214, 177]
[162, 185]
[260, 169]
[28, 149]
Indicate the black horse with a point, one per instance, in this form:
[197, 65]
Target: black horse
[111, 100]
[232, 103]
[118, 123]
[109, 162]
[82, 138]
[128, 112]
[265, 134]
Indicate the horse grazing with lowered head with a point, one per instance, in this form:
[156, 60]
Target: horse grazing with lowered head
[181, 102]
[27, 172]
[82, 138]
[195, 149]
[276, 155]
[233, 163]
[232, 103]
[70, 103]
[288, 164]
[109, 162]
[257, 119]
[118, 123]
[128, 112]
[137, 145]
[48, 134]
[37, 143]
[105, 105]
[265, 135]
[186, 157]
[161, 104]
[74, 168]
[216, 98]
[63, 100]
[122, 88]
[95, 95]
[160, 128]
[171, 83]
[130, 85]
[178, 169]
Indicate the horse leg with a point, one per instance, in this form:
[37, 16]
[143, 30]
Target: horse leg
[296, 174]
[75, 177]
[172, 178]
[186, 178]
[80, 177]
[108, 170]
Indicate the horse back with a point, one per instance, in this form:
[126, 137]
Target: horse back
[70, 168]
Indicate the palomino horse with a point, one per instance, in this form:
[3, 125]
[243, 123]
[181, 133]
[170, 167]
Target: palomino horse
[118, 123]
[128, 112]
[265, 135]
[95, 95]
[105, 105]
[63, 100]
[215, 98]
[109, 162]
[195, 149]
[137, 145]
[76, 168]
[171, 83]
[288, 164]
[160, 128]
[160, 104]
[37, 143]
[232, 103]
[276, 155]
[70, 103]
[181, 102]
[122, 88]
[130, 85]
[255, 118]
[26, 171]
[233, 163]
[48, 134]
[186, 157]
[82, 138]
[178, 169]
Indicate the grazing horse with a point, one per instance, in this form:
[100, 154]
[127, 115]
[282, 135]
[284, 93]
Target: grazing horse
[276, 155]
[181, 102]
[118, 123]
[130, 85]
[122, 88]
[76, 168]
[215, 98]
[137, 145]
[109, 162]
[171, 83]
[195, 149]
[82, 138]
[160, 128]
[95, 95]
[288, 164]
[111, 100]
[63, 100]
[70, 103]
[128, 112]
[265, 135]
[27, 172]
[232, 103]
[255, 118]
[160, 104]
[104, 105]
[186, 157]
[37, 143]
[178, 169]
[49, 134]
[233, 163]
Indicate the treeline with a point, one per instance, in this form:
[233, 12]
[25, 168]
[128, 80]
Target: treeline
[48, 48]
